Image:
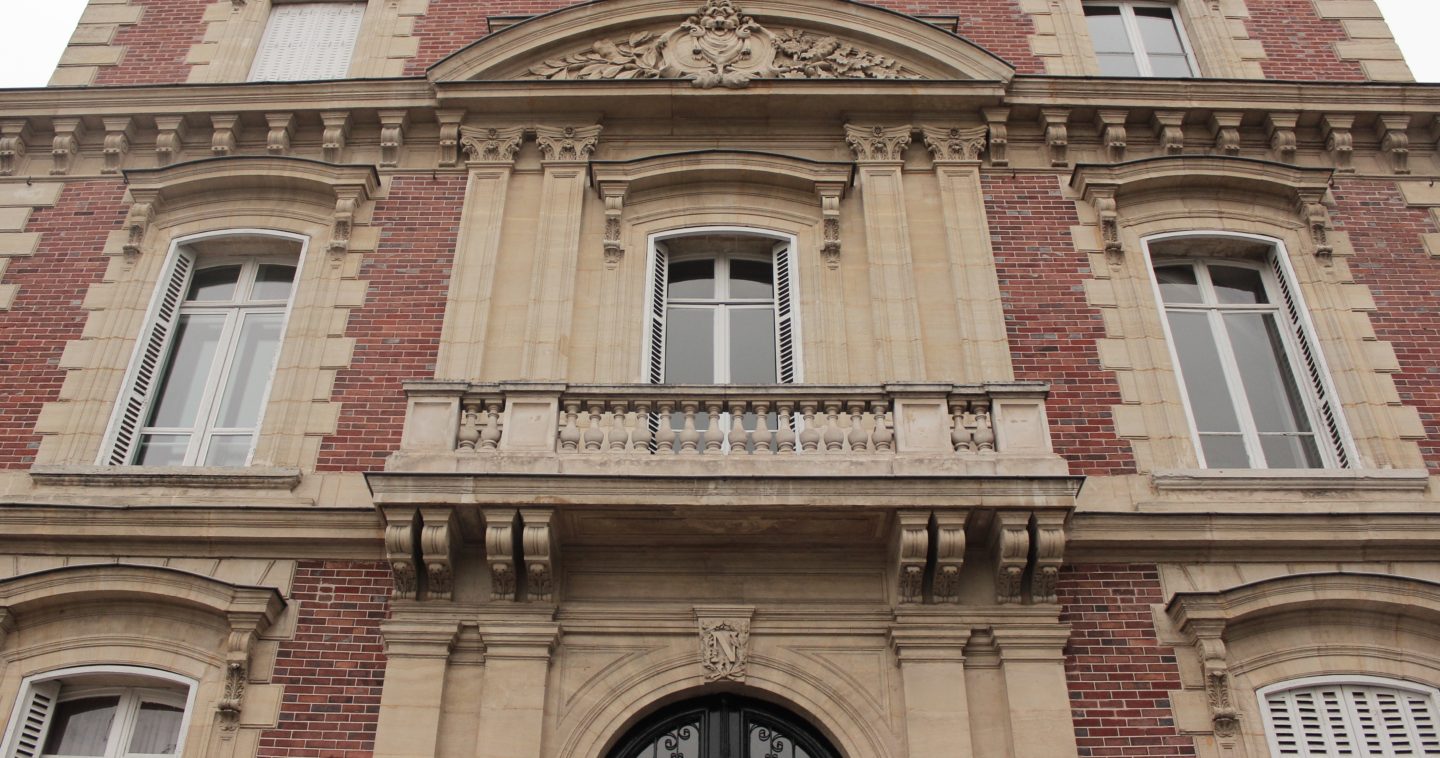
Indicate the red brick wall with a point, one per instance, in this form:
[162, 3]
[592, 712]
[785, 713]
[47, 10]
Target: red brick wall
[46, 312]
[1298, 42]
[1120, 676]
[397, 332]
[155, 48]
[334, 666]
[1390, 258]
[1052, 329]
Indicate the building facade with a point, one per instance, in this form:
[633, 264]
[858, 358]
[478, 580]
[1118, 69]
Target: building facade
[489, 379]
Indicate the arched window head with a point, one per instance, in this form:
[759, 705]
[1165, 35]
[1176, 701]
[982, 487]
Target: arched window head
[196, 388]
[721, 309]
[100, 712]
[723, 726]
[1254, 381]
[1359, 716]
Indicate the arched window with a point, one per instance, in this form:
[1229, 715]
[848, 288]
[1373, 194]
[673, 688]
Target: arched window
[1254, 381]
[202, 368]
[721, 309]
[1361, 716]
[100, 711]
[723, 726]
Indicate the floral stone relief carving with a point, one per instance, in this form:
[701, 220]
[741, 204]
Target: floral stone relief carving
[720, 46]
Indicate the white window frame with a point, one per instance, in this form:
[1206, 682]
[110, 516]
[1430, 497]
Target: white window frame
[77, 688]
[1137, 42]
[204, 429]
[266, 35]
[1335, 453]
[1262, 695]
[655, 349]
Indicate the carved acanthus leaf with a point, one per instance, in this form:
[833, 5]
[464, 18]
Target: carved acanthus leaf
[720, 46]
[955, 143]
[492, 144]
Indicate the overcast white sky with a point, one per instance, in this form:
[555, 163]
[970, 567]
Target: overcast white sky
[39, 32]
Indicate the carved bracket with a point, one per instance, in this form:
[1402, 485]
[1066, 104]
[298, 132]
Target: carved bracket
[539, 545]
[1049, 539]
[996, 119]
[491, 145]
[955, 143]
[1310, 204]
[1057, 134]
[15, 135]
[1169, 129]
[1394, 133]
[1225, 126]
[1010, 545]
[439, 541]
[118, 133]
[500, 551]
[1339, 141]
[392, 135]
[613, 193]
[223, 136]
[237, 675]
[911, 550]
[949, 555]
[566, 143]
[347, 204]
[449, 141]
[1107, 215]
[282, 128]
[400, 528]
[170, 139]
[137, 221]
[334, 134]
[66, 144]
[878, 143]
[830, 194]
[724, 641]
[1210, 648]
[1283, 142]
[1113, 135]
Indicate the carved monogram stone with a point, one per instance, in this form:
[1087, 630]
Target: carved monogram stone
[720, 46]
[724, 647]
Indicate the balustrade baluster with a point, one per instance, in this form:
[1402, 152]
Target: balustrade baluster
[664, 431]
[594, 434]
[963, 433]
[490, 435]
[469, 426]
[689, 437]
[810, 434]
[736, 438]
[714, 435]
[858, 437]
[619, 435]
[570, 433]
[984, 430]
[834, 435]
[785, 421]
[640, 436]
[763, 445]
[883, 436]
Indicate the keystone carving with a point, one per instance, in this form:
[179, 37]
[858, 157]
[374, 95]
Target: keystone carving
[566, 143]
[222, 139]
[724, 642]
[336, 131]
[1339, 141]
[392, 135]
[538, 542]
[400, 551]
[1057, 134]
[438, 538]
[955, 143]
[1394, 134]
[66, 145]
[118, 132]
[1283, 142]
[1049, 551]
[1170, 130]
[449, 136]
[277, 140]
[1113, 136]
[169, 139]
[492, 145]
[912, 548]
[500, 551]
[878, 143]
[1226, 128]
[15, 137]
[949, 555]
[1010, 544]
[720, 46]
[999, 135]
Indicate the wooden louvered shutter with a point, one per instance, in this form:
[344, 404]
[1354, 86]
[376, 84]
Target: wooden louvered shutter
[34, 721]
[149, 361]
[1331, 423]
[308, 41]
[784, 319]
[657, 314]
[1352, 720]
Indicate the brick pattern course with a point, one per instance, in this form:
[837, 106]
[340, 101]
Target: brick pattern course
[334, 666]
[1298, 42]
[397, 332]
[155, 48]
[46, 312]
[1052, 329]
[996, 25]
[1120, 676]
[1390, 258]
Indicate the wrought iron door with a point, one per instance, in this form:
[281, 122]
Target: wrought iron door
[723, 726]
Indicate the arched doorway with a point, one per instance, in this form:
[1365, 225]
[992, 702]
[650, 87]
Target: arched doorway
[723, 726]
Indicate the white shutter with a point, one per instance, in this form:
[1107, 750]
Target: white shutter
[308, 41]
[149, 360]
[657, 315]
[33, 721]
[1352, 720]
[1330, 422]
[784, 320]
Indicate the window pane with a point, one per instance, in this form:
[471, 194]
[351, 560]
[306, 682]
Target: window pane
[81, 727]
[1158, 31]
[228, 449]
[273, 282]
[1238, 286]
[1275, 399]
[751, 279]
[1118, 64]
[1290, 451]
[1224, 451]
[1210, 398]
[1177, 284]
[215, 284]
[250, 371]
[1172, 66]
[162, 450]
[690, 346]
[188, 371]
[694, 278]
[157, 729]
[1107, 30]
[752, 346]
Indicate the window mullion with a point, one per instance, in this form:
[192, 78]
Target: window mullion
[214, 389]
[1137, 45]
[721, 331]
[127, 711]
[1230, 363]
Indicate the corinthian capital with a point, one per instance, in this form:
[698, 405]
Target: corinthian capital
[878, 143]
[566, 143]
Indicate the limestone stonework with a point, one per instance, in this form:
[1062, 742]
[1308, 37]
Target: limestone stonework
[801, 361]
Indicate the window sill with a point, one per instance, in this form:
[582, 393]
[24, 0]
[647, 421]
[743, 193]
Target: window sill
[1386, 480]
[192, 477]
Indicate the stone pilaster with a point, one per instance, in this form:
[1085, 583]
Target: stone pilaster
[512, 707]
[932, 672]
[1032, 660]
[417, 650]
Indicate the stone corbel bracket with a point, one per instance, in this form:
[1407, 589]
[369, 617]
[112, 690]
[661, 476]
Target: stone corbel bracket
[1283, 143]
[566, 144]
[1010, 547]
[348, 200]
[449, 138]
[439, 542]
[392, 135]
[949, 532]
[928, 553]
[996, 120]
[1394, 134]
[335, 132]
[1225, 127]
[1057, 134]
[223, 135]
[401, 528]
[118, 133]
[66, 144]
[1169, 129]
[500, 551]
[1101, 195]
[282, 129]
[539, 553]
[911, 548]
[15, 136]
[613, 194]
[144, 206]
[491, 144]
[878, 143]
[1310, 204]
[1049, 552]
[1339, 141]
[238, 647]
[830, 194]
[170, 139]
[1113, 134]
[1205, 634]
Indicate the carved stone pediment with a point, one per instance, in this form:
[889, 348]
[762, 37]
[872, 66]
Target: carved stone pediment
[720, 46]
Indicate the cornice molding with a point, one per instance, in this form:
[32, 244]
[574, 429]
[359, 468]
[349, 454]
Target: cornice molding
[1400, 532]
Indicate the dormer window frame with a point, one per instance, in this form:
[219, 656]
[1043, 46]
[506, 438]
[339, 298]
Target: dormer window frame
[1135, 38]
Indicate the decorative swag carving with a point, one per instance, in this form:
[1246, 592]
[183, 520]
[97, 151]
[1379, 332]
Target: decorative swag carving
[720, 46]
